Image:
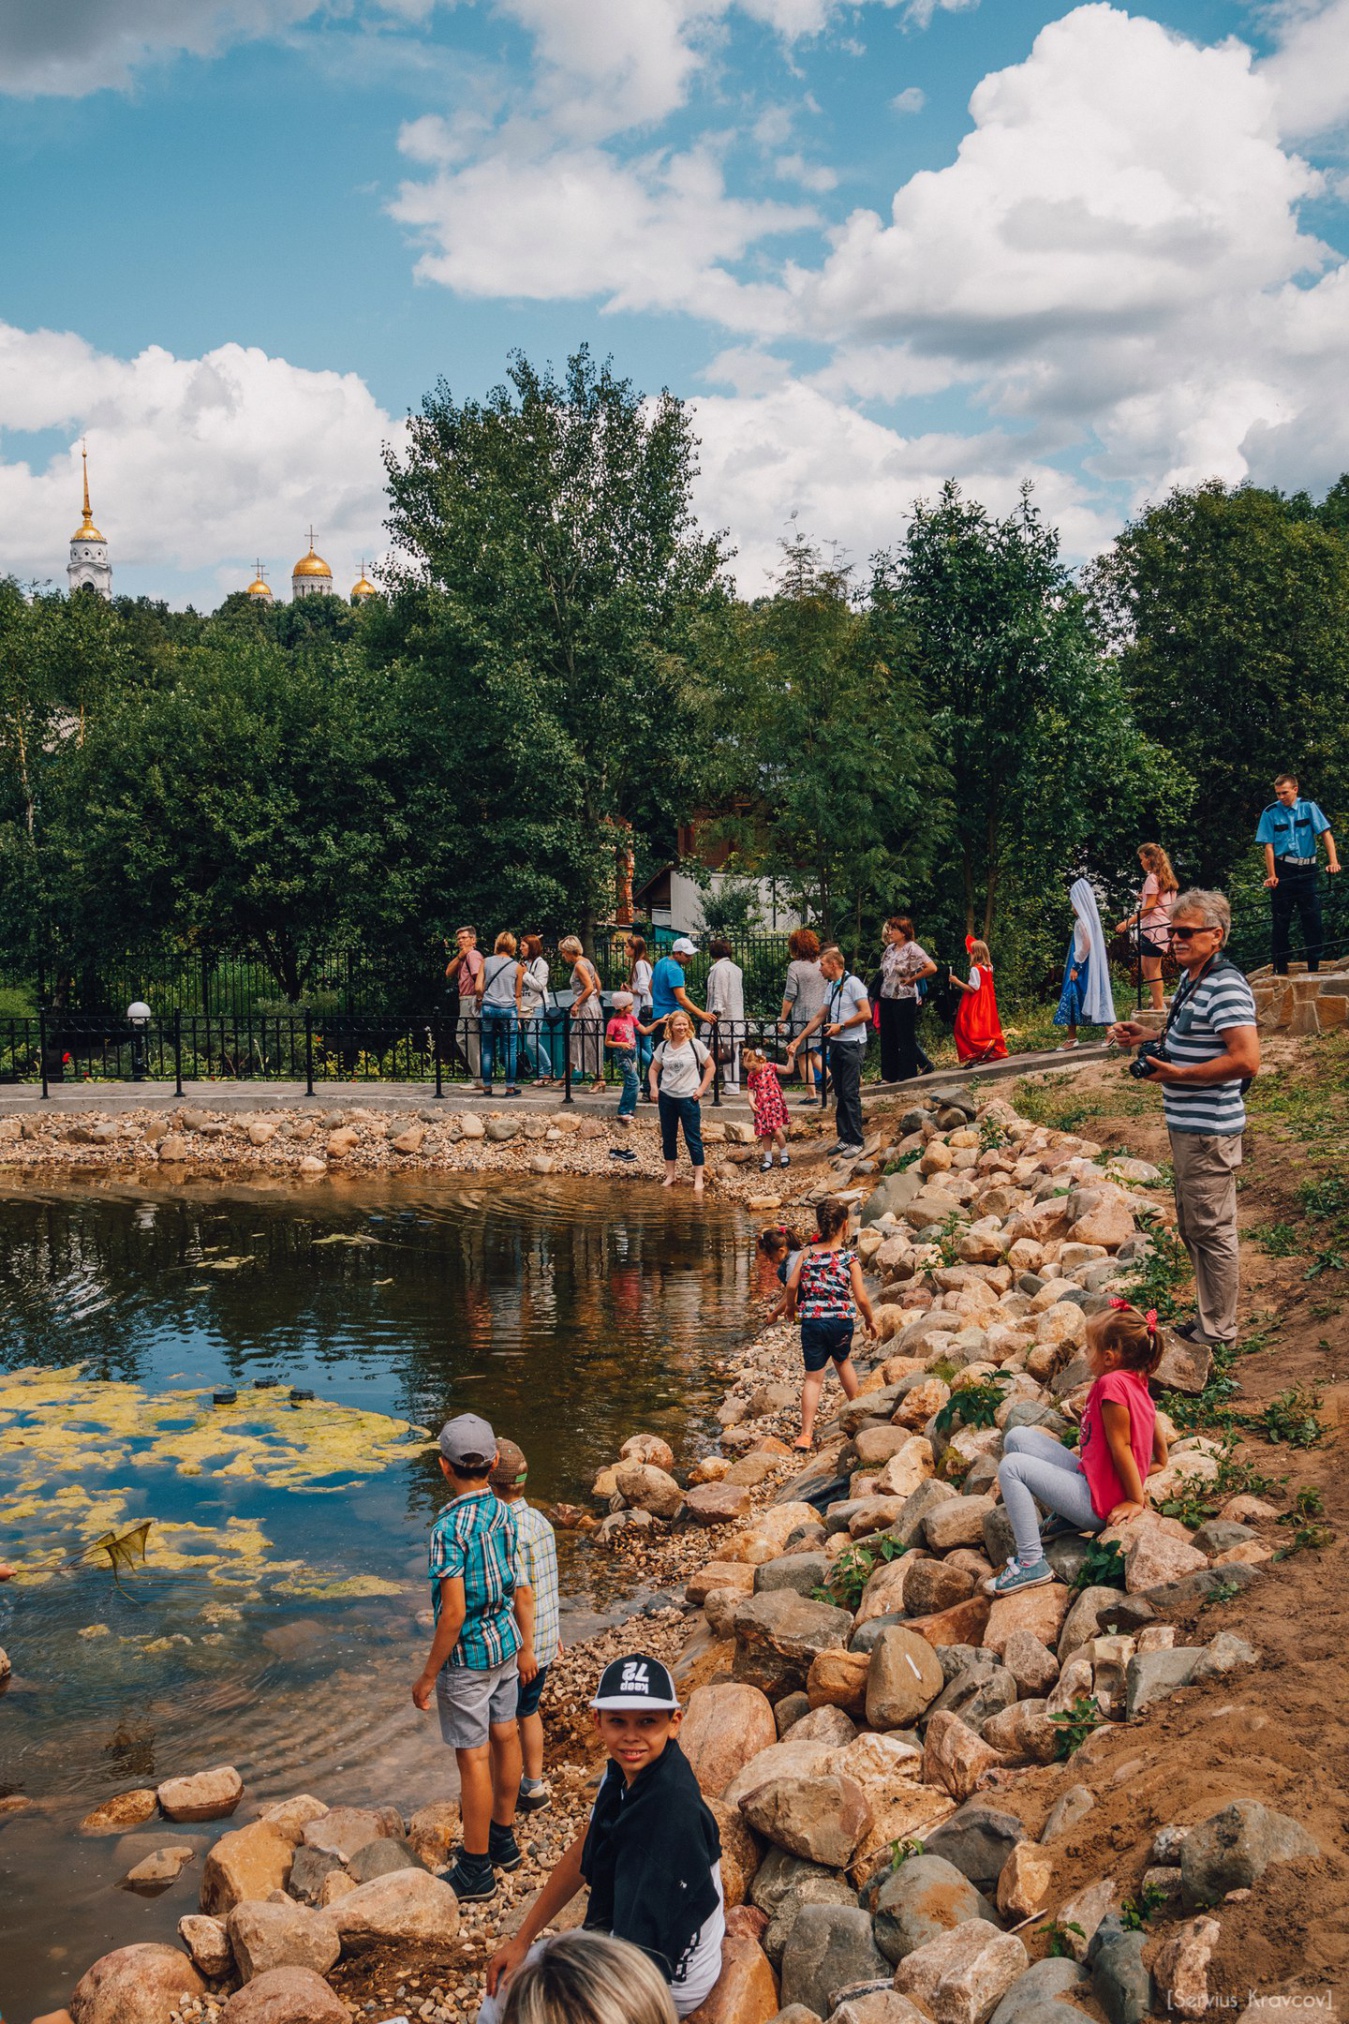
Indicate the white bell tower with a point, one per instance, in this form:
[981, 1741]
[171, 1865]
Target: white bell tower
[89, 567]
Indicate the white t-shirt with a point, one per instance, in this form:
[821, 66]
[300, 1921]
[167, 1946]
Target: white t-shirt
[680, 1067]
[702, 1964]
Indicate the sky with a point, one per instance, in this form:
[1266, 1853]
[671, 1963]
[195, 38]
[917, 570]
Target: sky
[874, 243]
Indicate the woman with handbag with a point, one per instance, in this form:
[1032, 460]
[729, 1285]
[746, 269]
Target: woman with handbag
[726, 1000]
[903, 964]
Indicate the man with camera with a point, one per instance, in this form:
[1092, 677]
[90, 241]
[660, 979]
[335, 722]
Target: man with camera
[1205, 1060]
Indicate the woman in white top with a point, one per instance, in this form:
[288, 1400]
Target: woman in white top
[639, 983]
[803, 996]
[726, 998]
[1152, 917]
[499, 1010]
[681, 1070]
[533, 1003]
[587, 1013]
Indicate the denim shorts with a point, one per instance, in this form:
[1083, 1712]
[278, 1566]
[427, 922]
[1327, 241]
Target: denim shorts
[470, 1702]
[826, 1338]
[528, 1703]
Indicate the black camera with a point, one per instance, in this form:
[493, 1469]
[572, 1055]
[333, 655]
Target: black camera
[1151, 1050]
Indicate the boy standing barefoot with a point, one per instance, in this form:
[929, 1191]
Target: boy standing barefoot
[651, 1853]
[472, 1665]
[537, 1608]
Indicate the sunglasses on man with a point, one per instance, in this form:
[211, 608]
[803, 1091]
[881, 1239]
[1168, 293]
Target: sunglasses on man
[1188, 934]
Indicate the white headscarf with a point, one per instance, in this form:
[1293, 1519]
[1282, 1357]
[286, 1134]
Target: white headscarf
[1098, 1005]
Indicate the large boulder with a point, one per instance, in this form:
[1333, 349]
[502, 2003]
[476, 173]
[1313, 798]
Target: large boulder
[876, 2006]
[249, 1862]
[1231, 1850]
[344, 1829]
[123, 1810]
[1024, 1733]
[904, 1677]
[1025, 1880]
[977, 1692]
[409, 1905]
[805, 1759]
[433, 1830]
[779, 1633]
[908, 1528]
[961, 1976]
[954, 1757]
[977, 1841]
[647, 1488]
[925, 1896]
[1041, 1611]
[724, 1726]
[957, 1521]
[143, 1984]
[821, 1819]
[208, 1942]
[933, 1585]
[839, 1680]
[1041, 1983]
[740, 1852]
[206, 1795]
[286, 1996]
[830, 1949]
[747, 1989]
[265, 1935]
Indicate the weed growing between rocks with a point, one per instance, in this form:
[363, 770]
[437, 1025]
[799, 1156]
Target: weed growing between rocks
[1075, 1724]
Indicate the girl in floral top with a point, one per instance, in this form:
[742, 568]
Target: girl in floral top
[827, 1284]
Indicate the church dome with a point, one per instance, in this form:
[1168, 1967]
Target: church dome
[260, 589]
[312, 565]
[86, 531]
[362, 588]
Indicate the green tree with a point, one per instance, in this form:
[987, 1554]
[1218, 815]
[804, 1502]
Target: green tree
[823, 748]
[1228, 608]
[540, 637]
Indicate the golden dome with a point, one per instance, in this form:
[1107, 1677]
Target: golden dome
[312, 565]
[362, 588]
[259, 588]
[86, 531]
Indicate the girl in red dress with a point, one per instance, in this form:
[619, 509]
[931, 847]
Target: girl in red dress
[766, 1101]
[978, 1028]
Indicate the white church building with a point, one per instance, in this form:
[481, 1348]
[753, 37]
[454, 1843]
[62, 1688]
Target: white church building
[89, 567]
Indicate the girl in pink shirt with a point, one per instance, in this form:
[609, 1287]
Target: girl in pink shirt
[1120, 1446]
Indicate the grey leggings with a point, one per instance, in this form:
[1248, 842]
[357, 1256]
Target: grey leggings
[1035, 1465]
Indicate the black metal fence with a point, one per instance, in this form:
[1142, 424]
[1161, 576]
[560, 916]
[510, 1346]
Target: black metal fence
[497, 1055]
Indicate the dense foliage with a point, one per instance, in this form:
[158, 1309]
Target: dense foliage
[561, 675]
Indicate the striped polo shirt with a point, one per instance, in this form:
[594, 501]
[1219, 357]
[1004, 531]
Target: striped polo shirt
[1205, 1011]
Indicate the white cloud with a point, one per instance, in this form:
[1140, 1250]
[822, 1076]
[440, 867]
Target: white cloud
[810, 175]
[793, 450]
[912, 99]
[575, 222]
[195, 464]
[1115, 252]
[70, 47]
[1309, 72]
[919, 13]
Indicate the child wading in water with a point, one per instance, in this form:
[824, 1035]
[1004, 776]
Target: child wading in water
[1121, 1444]
[826, 1283]
[780, 1248]
[768, 1104]
[978, 1033]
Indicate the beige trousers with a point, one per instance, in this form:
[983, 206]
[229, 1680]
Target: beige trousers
[1206, 1202]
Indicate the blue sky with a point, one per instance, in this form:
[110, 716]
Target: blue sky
[875, 244]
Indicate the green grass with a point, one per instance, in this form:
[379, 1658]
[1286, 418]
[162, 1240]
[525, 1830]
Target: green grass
[1292, 1417]
[1157, 1280]
[1279, 1239]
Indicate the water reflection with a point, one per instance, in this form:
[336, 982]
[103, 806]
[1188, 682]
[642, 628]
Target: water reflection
[570, 1312]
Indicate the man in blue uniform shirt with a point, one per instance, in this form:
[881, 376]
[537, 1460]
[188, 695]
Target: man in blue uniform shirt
[1289, 829]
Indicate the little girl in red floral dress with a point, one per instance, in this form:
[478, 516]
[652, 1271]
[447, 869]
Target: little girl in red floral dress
[770, 1109]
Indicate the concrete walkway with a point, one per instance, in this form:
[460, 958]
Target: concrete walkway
[17, 1099]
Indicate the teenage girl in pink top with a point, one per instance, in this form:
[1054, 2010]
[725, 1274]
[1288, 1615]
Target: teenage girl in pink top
[1120, 1446]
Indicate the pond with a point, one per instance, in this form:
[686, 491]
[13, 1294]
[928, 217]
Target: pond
[273, 1624]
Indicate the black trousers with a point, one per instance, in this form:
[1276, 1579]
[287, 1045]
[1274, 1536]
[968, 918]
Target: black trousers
[845, 1072]
[1295, 893]
[899, 1039]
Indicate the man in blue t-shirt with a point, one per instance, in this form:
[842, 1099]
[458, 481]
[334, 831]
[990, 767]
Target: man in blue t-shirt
[667, 984]
[1289, 829]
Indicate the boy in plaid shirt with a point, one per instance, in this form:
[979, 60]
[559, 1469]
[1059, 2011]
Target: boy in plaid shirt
[472, 1667]
[536, 1615]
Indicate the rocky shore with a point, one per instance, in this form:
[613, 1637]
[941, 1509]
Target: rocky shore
[904, 1772]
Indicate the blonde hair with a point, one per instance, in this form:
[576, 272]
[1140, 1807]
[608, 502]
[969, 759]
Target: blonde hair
[569, 947]
[978, 953]
[752, 1058]
[1154, 859]
[673, 1019]
[504, 945]
[588, 1978]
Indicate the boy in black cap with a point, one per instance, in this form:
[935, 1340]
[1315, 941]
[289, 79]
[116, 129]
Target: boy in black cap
[472, 1666]
[651, 1853]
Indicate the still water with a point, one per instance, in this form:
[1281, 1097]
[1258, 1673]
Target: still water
[273, 1625]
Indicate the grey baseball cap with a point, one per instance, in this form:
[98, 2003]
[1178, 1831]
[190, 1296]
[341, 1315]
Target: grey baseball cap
[468, 1442]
